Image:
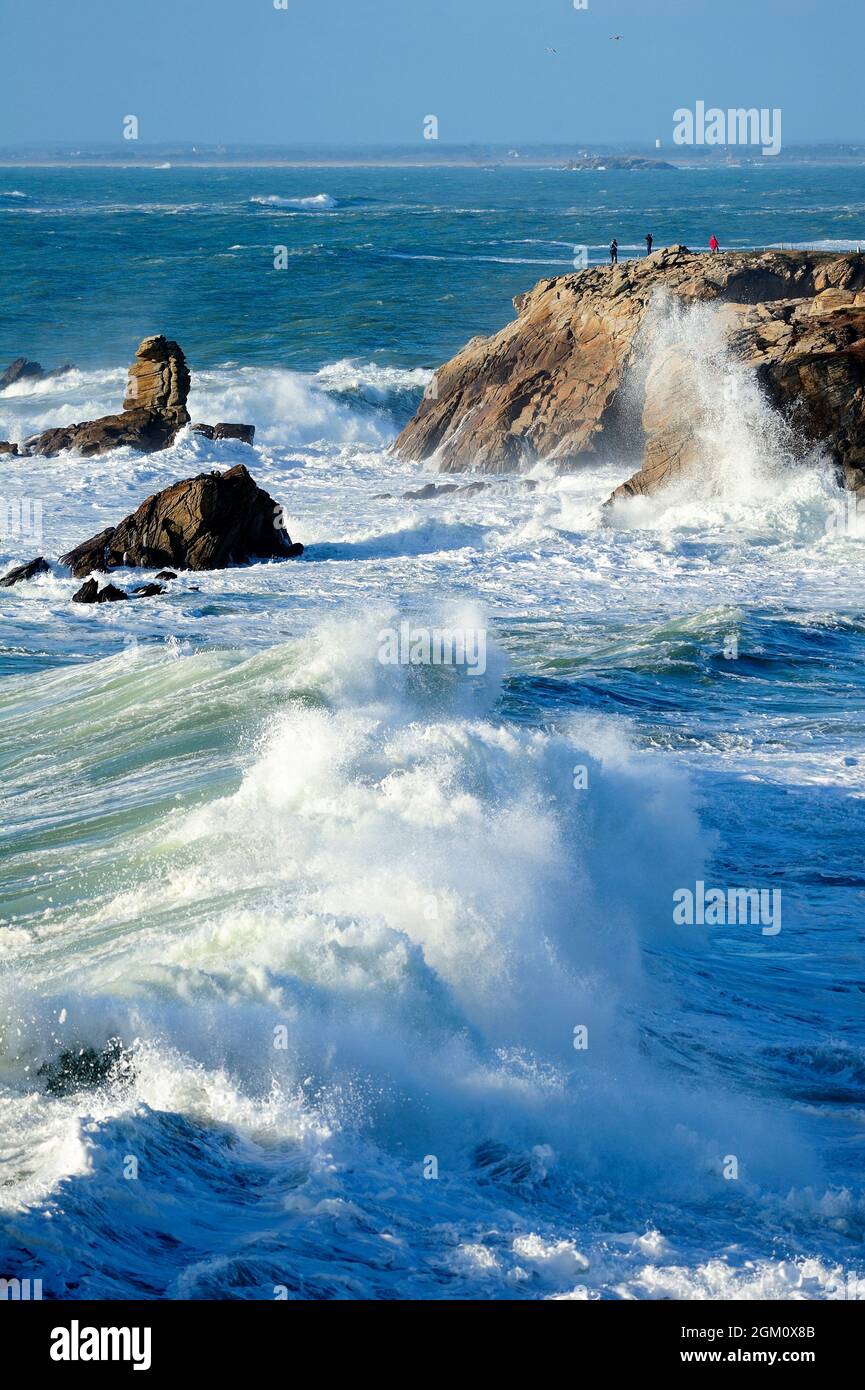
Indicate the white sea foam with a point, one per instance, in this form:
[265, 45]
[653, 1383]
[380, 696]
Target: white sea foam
[318, 202]
[752, 475]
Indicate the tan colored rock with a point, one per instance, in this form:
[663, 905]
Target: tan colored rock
[159, 380]
[549, 385]
[154, 409]
[581, 368]
[827, 301]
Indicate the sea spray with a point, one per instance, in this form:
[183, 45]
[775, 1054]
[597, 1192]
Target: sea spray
[750, 471]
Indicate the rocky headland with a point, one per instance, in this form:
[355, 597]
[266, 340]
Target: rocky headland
[581, 372]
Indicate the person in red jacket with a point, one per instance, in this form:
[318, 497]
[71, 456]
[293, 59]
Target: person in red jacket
[713, 243]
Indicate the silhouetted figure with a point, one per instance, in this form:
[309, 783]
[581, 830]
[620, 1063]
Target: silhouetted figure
[614, 252]
[713, 243]
[650, 241]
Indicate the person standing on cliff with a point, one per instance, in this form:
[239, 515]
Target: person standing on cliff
[614, 252]
[714, 244]
[649, 243]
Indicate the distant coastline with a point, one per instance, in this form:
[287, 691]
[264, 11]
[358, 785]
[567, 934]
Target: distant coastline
[636, 157]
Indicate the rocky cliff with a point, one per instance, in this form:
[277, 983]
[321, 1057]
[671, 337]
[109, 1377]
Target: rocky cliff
[578, 372]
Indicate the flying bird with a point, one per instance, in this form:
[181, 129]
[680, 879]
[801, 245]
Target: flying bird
[616, 38]
[552, 50]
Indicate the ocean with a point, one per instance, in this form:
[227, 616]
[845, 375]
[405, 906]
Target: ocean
[389, 950]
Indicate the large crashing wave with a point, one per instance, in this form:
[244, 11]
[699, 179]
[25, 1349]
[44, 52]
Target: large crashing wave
[751, 473]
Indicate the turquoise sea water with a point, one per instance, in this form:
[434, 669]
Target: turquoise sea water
[345, 917]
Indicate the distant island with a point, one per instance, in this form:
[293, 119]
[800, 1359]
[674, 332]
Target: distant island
[613, 161]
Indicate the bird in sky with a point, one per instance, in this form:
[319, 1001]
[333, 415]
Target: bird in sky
[552, 50]
[616, 38]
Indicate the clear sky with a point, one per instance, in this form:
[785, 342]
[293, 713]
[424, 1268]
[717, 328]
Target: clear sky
[368, 71]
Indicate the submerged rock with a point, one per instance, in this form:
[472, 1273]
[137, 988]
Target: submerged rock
[22, 572]
[90, 592]
[432, 490]
[429, 490]
[564, 381]
[207, 522]
[84, 1069]
[22, 369]
[245, 433]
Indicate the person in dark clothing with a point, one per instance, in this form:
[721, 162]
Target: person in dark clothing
[650, 240]
[614, 252]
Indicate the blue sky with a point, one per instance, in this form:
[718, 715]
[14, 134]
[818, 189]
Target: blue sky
[368, 71]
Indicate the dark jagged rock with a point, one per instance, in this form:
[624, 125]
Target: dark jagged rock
[90, 592]
[7, 448]
[166, 574]
[245, 433]
[145, 430]
[90, 555]
[111, 594]
[147, 591]
[83, 1068]
[22, 572]
[206, 522]
[154, 409]
[22, 369]
[555, 383]
[423, 494]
